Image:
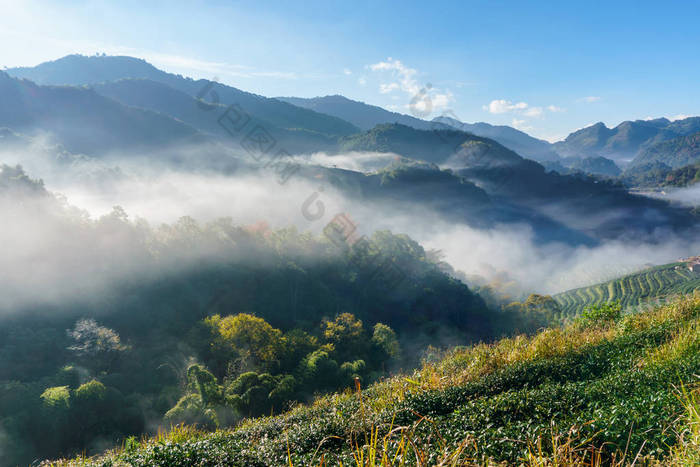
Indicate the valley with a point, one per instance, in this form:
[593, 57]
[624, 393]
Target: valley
[194, 274]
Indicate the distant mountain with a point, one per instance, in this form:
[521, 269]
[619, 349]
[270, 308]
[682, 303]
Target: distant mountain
[363, 116]
[596, 166]
[685, 176]
[597, 208]
[155, 109]
[588, 165]
[585, 141]
[675, 153]
[426, 191]
[627, 140]
[436, 146]
[367, 116]
[412, 186]
[76, 70]
[674, 162]
[84, 121]
[520, 142]
[584, 204]
[154, 95]
[646, 176]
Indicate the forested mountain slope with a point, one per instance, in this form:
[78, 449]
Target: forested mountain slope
[675, 153]
[515, 140]
[95, 348]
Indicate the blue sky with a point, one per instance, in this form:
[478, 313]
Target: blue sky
[545, 67]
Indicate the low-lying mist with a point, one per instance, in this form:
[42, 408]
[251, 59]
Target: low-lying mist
[689, 196]
[64, 259]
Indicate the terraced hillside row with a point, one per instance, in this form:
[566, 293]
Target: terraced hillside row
[631, 290]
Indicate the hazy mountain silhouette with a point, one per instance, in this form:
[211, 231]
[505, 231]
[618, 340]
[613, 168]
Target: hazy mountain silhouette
[627, 140]
[675, 153]
[84, 121]
[82, 70]
[367, 116]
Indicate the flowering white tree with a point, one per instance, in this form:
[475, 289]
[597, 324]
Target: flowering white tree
[97, 346]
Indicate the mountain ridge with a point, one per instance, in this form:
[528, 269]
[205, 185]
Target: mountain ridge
[367, 116]
[83, 120]
[78, 70]
[625, 141]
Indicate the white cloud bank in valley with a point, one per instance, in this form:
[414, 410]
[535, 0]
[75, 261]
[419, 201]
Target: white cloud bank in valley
[41, 253]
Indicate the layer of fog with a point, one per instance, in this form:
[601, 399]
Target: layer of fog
[509, 249]
[686, 196]
[44, 258]
[356, 161]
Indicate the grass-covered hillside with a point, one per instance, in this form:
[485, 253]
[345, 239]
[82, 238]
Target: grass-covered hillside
[631, 290]
[611, 388]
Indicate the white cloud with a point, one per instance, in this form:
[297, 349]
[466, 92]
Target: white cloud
[406, 75]
[188, 66]
[553, 138]
[195, 66]
[362, 81]
[589, 99]
[679, 117]
[387, 88]
[423, 100]
[346, 71]
[203, 66]
[522, 111]
[533, 112]
[273, 74]
[521, 125]
[585, 126]
[441, 101]
[672, 118]
[501, 106]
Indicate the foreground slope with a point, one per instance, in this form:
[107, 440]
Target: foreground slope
[603, 389]
[272, 316]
